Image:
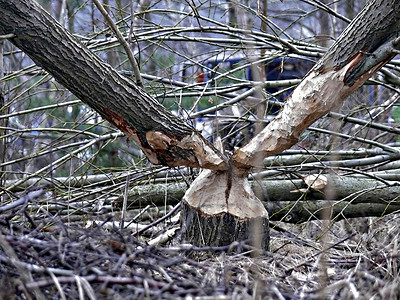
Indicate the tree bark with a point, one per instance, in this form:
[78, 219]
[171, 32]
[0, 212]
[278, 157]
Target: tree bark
[290, 201]
[163, 137]
[220, 197]
[220, 208]
[361, 50]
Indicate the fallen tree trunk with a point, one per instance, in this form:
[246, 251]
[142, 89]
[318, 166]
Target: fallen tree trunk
[307, 210]
[290, 200]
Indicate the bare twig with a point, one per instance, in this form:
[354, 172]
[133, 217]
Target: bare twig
[7, 36]
[123, 42]
[169, 214]
[29, 196]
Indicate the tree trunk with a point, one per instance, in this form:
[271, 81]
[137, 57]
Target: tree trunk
[221, 207]
[291, 201]
[163, 137]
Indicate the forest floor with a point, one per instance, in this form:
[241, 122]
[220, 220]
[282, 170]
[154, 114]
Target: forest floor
[71, 257]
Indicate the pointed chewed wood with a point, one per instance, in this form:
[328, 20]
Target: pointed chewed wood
[217, 213]
[314, 97]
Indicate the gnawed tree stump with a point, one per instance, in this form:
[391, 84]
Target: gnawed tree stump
[220, 208]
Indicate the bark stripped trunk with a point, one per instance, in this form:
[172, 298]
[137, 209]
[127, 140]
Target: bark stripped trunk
[361, 50]
[218, 212]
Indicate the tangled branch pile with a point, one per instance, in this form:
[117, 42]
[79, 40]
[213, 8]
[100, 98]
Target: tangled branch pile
[60, 260]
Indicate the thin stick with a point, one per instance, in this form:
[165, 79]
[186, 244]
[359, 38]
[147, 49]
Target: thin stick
[28, 197]
[7, 36]
[123, 42]
[171, 212]
[124, 203]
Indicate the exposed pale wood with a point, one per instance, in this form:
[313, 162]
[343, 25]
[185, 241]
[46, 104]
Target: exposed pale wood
[361, 50]
[315, 96]
[210, 195]
[220, 208]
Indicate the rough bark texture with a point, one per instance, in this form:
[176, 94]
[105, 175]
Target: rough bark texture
[361, 50]
[164, 138]
[290, 201]
[220, 205]
[220, 208]
[369, 38]
[223, 229]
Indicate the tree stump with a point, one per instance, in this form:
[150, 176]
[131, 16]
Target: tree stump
[220, 208]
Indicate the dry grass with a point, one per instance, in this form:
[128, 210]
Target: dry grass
[57, 259]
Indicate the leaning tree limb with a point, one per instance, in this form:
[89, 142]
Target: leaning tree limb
[163, 137]
[366, 45]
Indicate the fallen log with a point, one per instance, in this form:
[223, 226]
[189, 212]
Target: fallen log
[293, 201]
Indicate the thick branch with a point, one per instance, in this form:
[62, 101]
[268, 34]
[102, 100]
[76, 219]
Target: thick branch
[164, 138]
[288, 200]
[369, 37]
[342, 70]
